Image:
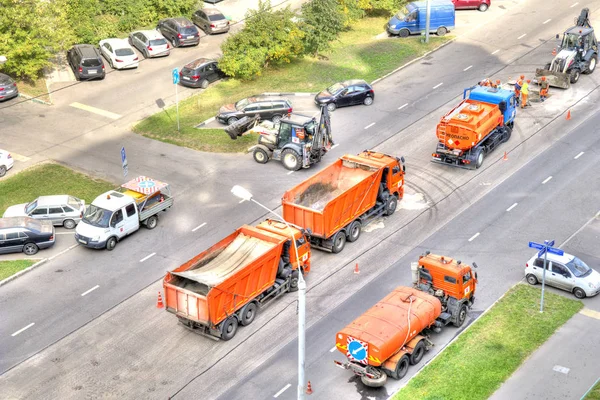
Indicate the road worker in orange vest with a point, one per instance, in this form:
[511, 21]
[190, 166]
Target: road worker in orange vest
[544, 86]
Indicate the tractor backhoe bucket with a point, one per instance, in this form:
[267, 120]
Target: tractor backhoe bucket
[555, 79]
[240, 127]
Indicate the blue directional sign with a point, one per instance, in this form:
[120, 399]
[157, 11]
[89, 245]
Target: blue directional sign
[175, 76]
[123, 156]
[357, 350]
[546, 247]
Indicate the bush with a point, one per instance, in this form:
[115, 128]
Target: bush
[322, 20]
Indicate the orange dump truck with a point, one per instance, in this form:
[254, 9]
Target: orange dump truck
[474, 128]
[224, 286]
[336, 202]
[390, 336]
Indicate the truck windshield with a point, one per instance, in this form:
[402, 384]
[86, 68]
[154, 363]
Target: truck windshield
[579, 268]
[571, 41]
[402, 13]
[97, 216]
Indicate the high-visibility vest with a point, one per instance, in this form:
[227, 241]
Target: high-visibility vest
[525, 88]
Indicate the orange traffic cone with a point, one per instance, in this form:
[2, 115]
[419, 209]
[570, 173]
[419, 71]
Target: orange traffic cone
[356, 270]
[505, 158]
[569, 115]
[308, 388]
[554, 51]
[159, 302]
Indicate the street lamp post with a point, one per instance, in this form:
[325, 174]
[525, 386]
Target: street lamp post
[243, 194]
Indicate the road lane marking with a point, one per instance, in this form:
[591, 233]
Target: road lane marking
[63, 252]
[333, 349]
[438, 85]
[286, 387]
[19, 157]
[289, 173]
[332, 147]
[198, 227]
[95, 110]
[495, 51]
[370, 125]
[511, 207]
[596, 216]
[402, 106]
[546, 21]
[561, 369]
[23, 329]
[473, 237]
[578, 155]
[89, 291]
[147, 257]
[64, 233]
[546, 180]
[590, 313]
[522, 36]
[574, 4]
[468, 68]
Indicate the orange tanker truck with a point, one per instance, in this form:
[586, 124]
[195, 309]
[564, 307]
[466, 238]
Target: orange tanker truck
[338, 201]
[474, 128]
[391, 335]
[224, 286]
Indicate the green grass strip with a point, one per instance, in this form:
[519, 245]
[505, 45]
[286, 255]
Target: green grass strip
[483, 357]
[8, 268]
[594, 392]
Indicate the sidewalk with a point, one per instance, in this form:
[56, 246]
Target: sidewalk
[564, 367]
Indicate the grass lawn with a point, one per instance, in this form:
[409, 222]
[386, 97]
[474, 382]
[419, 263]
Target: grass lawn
[35, 89]
[594, 393]
[357, 54]
[8, 268]
[482, 358]
[49, 179]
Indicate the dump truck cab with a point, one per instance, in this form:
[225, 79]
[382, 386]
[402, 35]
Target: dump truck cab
[302, 246]
[451, 281]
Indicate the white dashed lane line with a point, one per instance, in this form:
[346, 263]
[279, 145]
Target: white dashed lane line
[438, 85]
[23, 329]
[289, 173]
[370, 125]
[147, 257]
[468, 68]
[546, 180]
[198, 227]
[402, 106]
[578, 155]
[473, 237]
[522, 36]
[495, 51]
[332, 349]
[511, 207]
[90, 290]
[286, 387]
[332, 147]
[546, 21]
[574, 4]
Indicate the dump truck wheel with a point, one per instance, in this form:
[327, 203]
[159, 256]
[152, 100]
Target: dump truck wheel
[418, 353]
[401, 367]
[151, 222]
[229, 328]
[441, 31]
[291, 160]
[375, 382]
[260, 156]
[339, 241]
[574, 75]
[248, 313]
[294, 281]
[391, 205]
[111, 243]
[354, 231]
[461, 317]
[579, 293]
[531, 279]
[592, 65]
[404, 33]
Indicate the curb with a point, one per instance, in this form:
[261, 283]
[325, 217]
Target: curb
[415, 60]
[208, 121]
[299, 94]
[22, 272]
[34, 99]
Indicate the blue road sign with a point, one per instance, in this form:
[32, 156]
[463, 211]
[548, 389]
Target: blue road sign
[175, 76]
[357, 350]
[547, 246]
[123, 156]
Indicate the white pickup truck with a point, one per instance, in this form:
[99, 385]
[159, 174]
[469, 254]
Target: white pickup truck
[118, 213]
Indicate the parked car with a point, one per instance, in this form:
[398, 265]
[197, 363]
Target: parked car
[210, 20]
[180, 31]
[265, 107]
[8, 88]
[25, 234]
[347, 93]
[565, 272]
[481, 5]
[61, 210]
[119, 53]
[86, 62]
[6, 162]
[150, 43]
[200, 72]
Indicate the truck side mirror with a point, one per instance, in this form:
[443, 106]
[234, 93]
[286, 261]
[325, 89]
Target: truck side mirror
[557, 36]
[474, 265]
[402, 159]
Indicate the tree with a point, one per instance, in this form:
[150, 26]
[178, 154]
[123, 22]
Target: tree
[353, 10]
[323, 20]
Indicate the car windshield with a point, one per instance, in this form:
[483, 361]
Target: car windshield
[74, 201]
[336, 87]
[124, 52]
[579, 268]
[30, 207]
[216, 17]
[97, 216]
[5, 80]
[91, 62]
[241, 104]
[158, 42]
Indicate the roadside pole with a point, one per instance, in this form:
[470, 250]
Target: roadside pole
[545, 249]
[176, 83]
[427, 20]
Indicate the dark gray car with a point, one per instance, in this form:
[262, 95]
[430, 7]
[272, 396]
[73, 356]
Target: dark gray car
[8, 88]
[86, 62]
[23, 234]
[265, 107]
[180, 31]
[211, 20]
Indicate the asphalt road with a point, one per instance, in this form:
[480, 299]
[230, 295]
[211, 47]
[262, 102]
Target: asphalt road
[202, 183]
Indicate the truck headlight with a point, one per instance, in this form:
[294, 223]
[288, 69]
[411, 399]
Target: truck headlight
[95, 238]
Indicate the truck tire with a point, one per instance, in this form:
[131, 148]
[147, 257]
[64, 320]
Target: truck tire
[507, 133]
[591, 65]
[390, 205]
[418, 353]
[354, 231]
[574, 75]
[479, 159]
[339, 241]
[401, 367]
[229, 328]
[111, 243]
[248, 313]
[461, 317]
[294, 281]
[291, 160]
[151, 222]
[531, 279]
[375, 382]
[260, 156]
[404, 33]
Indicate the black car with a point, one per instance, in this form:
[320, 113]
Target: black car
[8, 88]
[24, 234]
[265, 107]
[86, 62]
[347, 93]
[200, 72]
[180, 31]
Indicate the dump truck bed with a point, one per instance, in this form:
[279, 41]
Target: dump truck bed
[335, 196]
[219, 281]
[383, 329]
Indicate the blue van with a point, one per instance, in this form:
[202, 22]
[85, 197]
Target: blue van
[411, 19]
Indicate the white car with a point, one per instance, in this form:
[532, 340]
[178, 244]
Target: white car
[119, 53]
[150, 43]
[565, 272]
[6, 162]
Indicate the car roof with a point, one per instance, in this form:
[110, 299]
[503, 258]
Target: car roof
[21, 222]
[114, 42]
[87, 50]
[580, 30]
[355, 82]
[211, 11]
[198, 63]
[181, 21]
[54, 200]
[565, 258]
[150, 34]
[259, 99]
